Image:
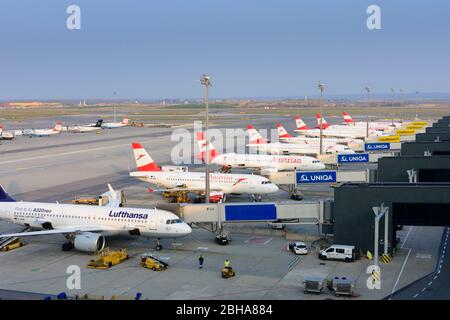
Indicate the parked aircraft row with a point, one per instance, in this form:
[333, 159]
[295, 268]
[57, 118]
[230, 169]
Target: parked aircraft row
[330, 146]
[58, 128]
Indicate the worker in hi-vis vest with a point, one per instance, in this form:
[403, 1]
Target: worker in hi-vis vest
[227, 263]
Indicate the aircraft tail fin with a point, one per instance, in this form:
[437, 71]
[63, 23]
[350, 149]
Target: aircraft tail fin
[200, 136]
[143, 160]
[300, 124]
[125, 121]
[58, 127]
[324, 122]
[282, 133]
[99, 123]
[347, 118]
[255, 137]
[4, 197]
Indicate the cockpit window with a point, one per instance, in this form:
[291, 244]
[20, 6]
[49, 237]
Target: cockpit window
[266, 182]
[173, 221]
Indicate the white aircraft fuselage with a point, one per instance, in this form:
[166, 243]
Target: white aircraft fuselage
[195, 181]
[260, 161]
[111, 221]
[301, 148]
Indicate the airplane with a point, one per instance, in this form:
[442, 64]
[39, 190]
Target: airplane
[9, 134]
[220, 183]
[266, 164]
[382, 126]
[112, 125]
[44, 132]
[85, 227]
[284, 136]
[338, 131]
[89, 128]
[258, 143]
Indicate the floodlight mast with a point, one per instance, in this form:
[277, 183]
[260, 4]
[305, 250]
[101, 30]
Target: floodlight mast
[321, 87]
[367, 115]
[206, 81]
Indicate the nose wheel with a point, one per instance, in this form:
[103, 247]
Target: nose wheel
[256, 198]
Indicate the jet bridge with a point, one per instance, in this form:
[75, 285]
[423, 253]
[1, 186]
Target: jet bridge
[307, 212]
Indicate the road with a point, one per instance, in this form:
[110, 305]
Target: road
[436, 285]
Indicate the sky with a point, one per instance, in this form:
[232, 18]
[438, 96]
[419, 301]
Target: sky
[158, 49]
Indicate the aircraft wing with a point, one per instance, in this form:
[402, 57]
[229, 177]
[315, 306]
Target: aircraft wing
[74, 229]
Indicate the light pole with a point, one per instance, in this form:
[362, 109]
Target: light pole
[321, 88]
[401, 104]
[392, 103]
[367, 115]
[206, 81]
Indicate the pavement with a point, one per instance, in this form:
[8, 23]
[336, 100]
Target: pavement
[435, 285]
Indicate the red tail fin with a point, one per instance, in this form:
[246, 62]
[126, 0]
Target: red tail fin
[143, 160]
[282, 133]
[324, 122]
[200, 136]
[254, 136]
[300, 124]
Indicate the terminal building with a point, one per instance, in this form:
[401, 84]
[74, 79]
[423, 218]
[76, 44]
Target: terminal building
[414, 187]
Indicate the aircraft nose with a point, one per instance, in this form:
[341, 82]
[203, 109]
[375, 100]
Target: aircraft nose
[185, 229]
[273, 188]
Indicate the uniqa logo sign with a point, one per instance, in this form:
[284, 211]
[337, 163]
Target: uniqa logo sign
[354, 158]
[377, 146]
[317, 177]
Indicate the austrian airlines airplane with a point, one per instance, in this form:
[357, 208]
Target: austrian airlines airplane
[45, 132]
[220, 183]
[112, 125]
[266, 164]
[257, 142]
[383, 126]
[85, 227]
[284, 136]
[338, 131]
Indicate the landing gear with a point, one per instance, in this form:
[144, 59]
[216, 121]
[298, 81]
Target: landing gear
[67, 246]
[225, 169]
[158, 245]
[256, 198]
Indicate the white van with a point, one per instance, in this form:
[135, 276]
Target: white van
[338, 252]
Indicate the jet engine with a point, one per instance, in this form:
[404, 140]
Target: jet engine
[89, 242]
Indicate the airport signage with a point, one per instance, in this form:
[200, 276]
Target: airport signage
[405, 132]
[381, 146]
[353, 158]
[316, 177]
[389, 139]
